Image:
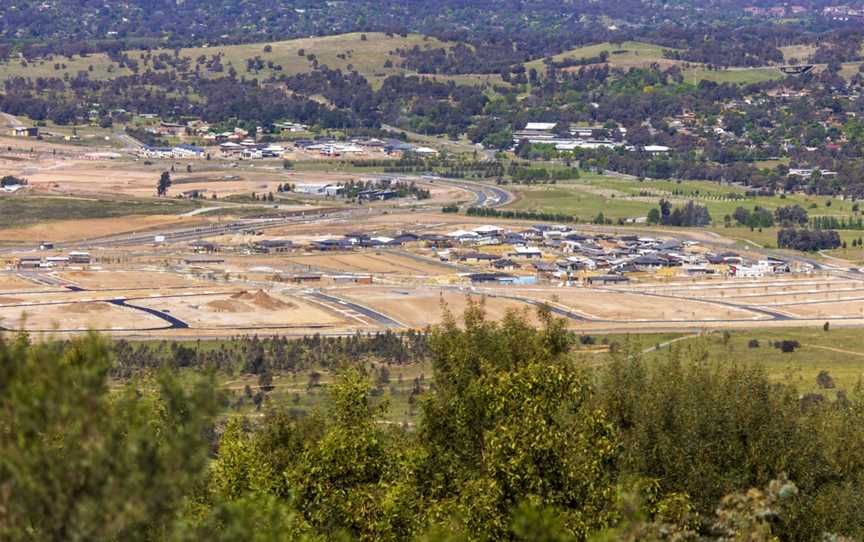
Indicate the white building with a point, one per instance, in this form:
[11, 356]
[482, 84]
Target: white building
[541, 126]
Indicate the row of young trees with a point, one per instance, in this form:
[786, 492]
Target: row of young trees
[517, 440]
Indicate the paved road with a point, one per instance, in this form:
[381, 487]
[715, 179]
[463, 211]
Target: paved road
[173, 322]
[376, 316]
[485, 195]
[189, 234]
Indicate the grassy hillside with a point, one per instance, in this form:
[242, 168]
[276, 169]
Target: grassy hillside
[367, 56]
[634, 54]
[621, 55]
[337, 52]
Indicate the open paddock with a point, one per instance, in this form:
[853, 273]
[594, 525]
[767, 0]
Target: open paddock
[424, 306]
[15, 283]
[69, 230]
[788, 298]
[244, 309]
[831, 309]
[749, 288]
[111, 279]
[600, 304]
[82, 316]
[382, 262]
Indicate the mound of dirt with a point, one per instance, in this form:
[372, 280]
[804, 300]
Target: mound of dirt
[263, 300]
[87, 307]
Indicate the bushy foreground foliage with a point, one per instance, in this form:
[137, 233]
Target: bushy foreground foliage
[518, 440]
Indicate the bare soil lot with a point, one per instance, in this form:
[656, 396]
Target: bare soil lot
[383, 262]
[13, 283]
[608, 305]
[76, 317]
[244, 309]
[847, 309]
[424, 306]
[127, 279]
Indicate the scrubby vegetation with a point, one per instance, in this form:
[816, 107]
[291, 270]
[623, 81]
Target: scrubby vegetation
[518, 438]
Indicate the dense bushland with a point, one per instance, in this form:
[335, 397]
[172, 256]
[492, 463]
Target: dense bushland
[519, 438]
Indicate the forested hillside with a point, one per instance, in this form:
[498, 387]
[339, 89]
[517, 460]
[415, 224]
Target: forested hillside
[531, 28]
[518, 439]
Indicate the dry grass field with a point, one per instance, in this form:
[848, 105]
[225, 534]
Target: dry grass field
[67, 230]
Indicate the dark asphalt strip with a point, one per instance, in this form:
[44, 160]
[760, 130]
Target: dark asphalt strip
[382, 319]
[176, 323]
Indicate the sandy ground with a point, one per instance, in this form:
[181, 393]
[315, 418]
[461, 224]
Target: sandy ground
[13, 283]
[384, 262]
[422, 307]
[127, 279]
[802, 297]
[607, 305]
[76, 316]
[239, 310]
[59, 295]
[733, 289]
[826, 310]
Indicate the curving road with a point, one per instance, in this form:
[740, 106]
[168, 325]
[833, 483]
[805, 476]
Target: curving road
[377, 317]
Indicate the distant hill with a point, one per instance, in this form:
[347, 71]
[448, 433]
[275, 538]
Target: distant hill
[373, 55]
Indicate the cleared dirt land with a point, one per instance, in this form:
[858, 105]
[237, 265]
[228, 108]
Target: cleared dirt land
[244, 309]
[606, 305]
[421, 307]
[847, 309]
[743, 288]
[127, 279]
[385, 263]
[78, 317]
[13, 283]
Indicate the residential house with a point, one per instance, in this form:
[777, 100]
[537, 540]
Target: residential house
[526, 252]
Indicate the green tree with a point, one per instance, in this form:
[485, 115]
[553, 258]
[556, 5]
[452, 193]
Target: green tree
[509, 424]
[78, 462]
[348, 483]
